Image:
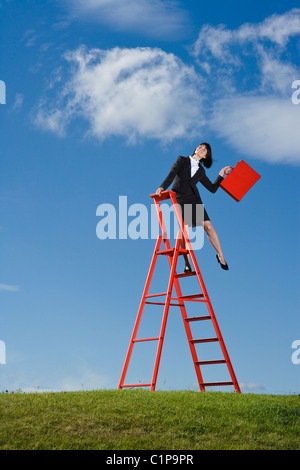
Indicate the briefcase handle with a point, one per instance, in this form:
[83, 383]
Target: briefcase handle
[226, 172]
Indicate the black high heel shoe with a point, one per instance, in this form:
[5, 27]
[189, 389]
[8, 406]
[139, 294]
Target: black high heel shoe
[223, 266]
[187, 269]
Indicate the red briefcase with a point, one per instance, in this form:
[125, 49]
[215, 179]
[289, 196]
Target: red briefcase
[238, 182]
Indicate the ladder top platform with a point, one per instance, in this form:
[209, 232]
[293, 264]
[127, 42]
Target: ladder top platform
[163, 195]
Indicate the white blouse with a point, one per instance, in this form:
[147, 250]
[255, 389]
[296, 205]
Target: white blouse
[194, 166]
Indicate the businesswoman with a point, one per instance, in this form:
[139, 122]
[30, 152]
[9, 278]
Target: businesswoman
[186, 173]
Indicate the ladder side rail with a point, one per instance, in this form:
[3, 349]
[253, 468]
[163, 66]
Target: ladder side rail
[140, 311]
[215, 324]
[176, 282]
[189, 337]
[173, 264]
[161, 224]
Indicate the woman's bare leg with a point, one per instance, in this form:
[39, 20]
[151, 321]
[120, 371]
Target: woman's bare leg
[214, 239]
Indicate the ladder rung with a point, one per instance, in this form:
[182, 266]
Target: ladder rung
[213, 384]
[164, 303]
[145, 339]
[205, 340]
[165, 252]
[137, 385]
[206, 317]
[204, 363]
[155, 295]
[192, 273]
[171, 251]
[191, 296]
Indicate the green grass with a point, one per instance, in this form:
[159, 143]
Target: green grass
[138, 419]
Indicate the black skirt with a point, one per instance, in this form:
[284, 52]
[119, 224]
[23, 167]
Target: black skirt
[192, 210]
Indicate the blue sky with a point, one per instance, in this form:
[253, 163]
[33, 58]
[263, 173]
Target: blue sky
[101, 98]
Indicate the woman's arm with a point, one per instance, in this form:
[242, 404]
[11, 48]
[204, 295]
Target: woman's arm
[169, 179]
[212, 187]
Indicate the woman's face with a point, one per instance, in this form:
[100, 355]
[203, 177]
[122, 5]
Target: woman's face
[201, 152]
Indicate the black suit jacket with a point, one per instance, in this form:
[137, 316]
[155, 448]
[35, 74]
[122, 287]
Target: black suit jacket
[184, 184]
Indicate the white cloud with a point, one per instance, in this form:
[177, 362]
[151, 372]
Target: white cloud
[264, 45]
[255, 54]
[83, 378]
[86, 380]
[250, 386]
[158, 18]
[277, 28]
[133, 93]
[30, 38]
[9, 288]
[18, 101]
[262, 127]
[254, 67]
[276, 75]
[242, 92]
[52, 120]
[219, 41]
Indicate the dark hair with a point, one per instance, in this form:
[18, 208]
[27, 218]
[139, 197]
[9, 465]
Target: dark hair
[207, 162]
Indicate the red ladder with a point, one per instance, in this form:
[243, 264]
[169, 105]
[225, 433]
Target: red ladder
[179, 301]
